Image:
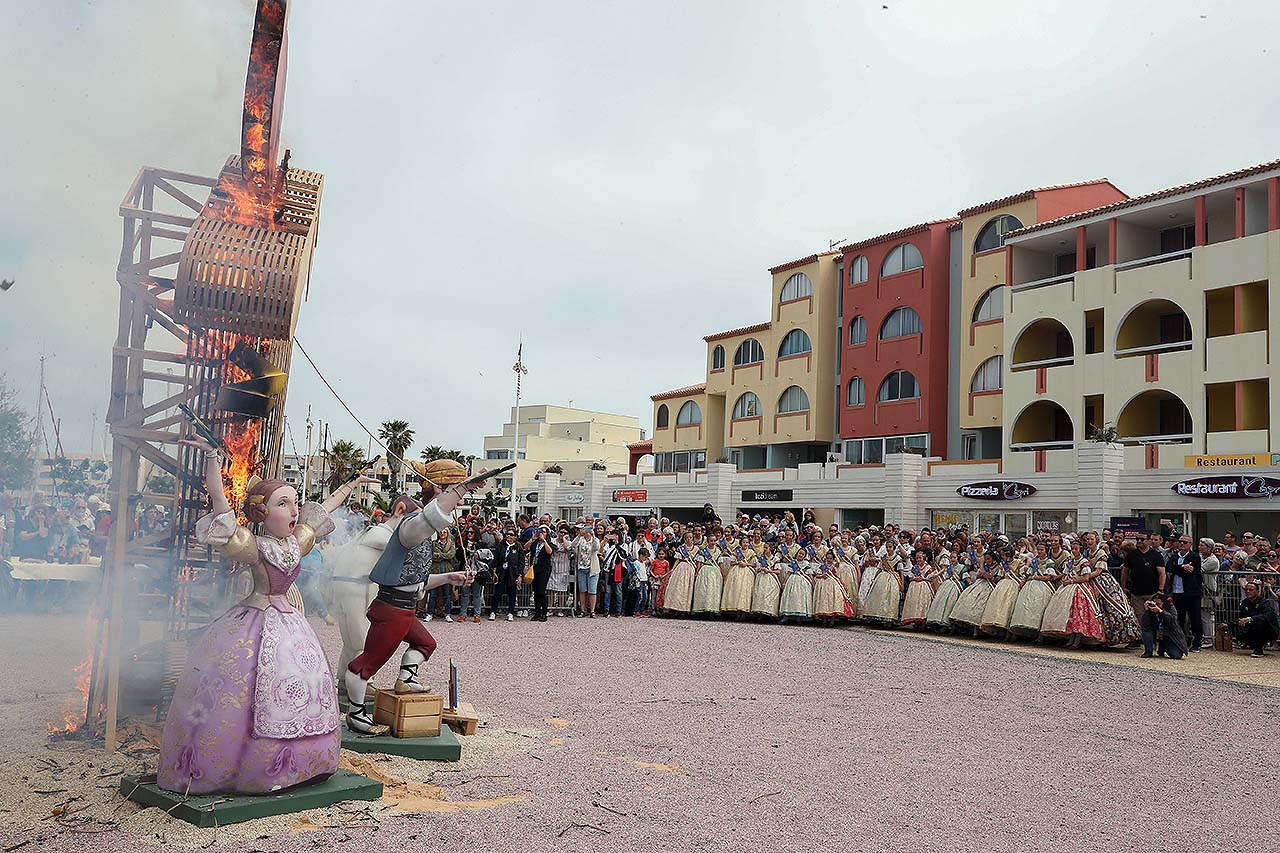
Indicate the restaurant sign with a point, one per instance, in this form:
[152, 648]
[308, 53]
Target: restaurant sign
[1236, 460]
[1242, 486]
[627, 496]
[996, 490]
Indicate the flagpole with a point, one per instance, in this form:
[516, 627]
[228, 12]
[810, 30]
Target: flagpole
[520, 371]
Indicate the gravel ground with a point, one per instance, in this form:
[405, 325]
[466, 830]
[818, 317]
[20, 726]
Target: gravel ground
[655, 734]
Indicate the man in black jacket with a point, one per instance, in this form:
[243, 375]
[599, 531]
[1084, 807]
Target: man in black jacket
[1259, 621]
[508, 569]
[1142, 574]
[1186, 584]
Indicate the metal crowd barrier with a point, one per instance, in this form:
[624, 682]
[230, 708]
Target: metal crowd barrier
[1226, 608]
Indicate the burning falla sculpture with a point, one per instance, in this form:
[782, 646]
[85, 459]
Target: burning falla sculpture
[255, 710]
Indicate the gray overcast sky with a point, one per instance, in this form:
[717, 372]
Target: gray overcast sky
[610, 180]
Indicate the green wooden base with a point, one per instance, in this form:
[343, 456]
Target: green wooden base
[222, 809]
[443, 747]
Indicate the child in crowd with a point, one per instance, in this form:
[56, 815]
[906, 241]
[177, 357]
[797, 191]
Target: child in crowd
[640, 607]
[657, 570]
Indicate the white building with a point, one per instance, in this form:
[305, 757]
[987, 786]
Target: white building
[574, 439]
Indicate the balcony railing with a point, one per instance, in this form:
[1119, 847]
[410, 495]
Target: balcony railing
[1154, 259]
[1043, 445]
[1043, 282]
[1044, 362]
[1163, 438]
[1173, 346]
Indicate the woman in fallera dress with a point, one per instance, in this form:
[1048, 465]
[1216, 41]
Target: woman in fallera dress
[1028, 613]
[884, 601]
[739, 581]
[766, 595]
[797, 591]
[868, 567]
[830, 601]
[921, 577]
[676, 592]
[1073, 611]
[967, 614]
[952, 585]
[999, 609]
[847, 570]
[709, 581]
[256, 710]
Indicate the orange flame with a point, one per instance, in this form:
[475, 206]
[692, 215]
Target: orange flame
[73, 712]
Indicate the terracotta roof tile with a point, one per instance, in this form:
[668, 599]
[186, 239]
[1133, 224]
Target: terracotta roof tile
[680, 392]
[758, 327]
[894, 235]
[647, 444]
[1026, 194]
[799, 262]
[1203, 183]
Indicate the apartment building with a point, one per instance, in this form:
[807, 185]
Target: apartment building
[574, 439]
[767, 400]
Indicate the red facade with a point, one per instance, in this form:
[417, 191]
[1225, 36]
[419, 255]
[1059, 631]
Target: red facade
[925, 355]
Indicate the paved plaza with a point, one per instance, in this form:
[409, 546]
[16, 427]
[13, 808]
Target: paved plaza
[649, 734]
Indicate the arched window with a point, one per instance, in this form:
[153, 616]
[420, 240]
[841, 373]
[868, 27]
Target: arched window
[664, 416]
[858, 270]
[857, 331]
[797, 287]
[748, 406]
[795, 343]
[899, 385]
[749, 352]
[690, 413]
[717, 358]
[857, 391]
[987, 376]
[900, 259]
[990, 306]
[793, 400]
[900, 322]
[993, 233]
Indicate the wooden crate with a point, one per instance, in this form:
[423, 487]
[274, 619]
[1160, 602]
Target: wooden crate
[409, 715]
[464, 720]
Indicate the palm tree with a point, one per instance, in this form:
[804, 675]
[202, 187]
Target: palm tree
[434, 452]
[397, 436]
[346, 459]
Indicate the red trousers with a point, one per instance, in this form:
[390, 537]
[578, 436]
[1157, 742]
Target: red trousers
[388, 627]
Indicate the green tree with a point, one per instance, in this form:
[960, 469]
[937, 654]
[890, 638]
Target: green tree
[398, 437]
[435, 451]
[346, 459]
[161, 483]
[16, 458]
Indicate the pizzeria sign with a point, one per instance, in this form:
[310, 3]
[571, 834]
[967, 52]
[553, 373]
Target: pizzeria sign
[996, 490]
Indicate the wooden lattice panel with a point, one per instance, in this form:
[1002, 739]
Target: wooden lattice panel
[245, 278]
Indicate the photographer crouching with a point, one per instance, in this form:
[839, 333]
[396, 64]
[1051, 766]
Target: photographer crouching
[1161, 630]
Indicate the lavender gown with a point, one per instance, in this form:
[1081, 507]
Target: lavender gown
[256, 710]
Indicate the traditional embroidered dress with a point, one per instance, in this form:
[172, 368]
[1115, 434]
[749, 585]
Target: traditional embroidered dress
[708, 584]
[830, 599]
[1073, 609]
[944, 600]
[739, 583]
[919, 598]
[847, 573]
[1120, 623]
[999, 609]
[870, 568]
[766, 595]
[972, 603]
[1028, 612]
[884, 599]
[797, 594]
[256, 710]
[676, 593]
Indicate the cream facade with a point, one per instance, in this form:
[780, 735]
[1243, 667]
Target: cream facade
[768, 399]
[574, 439]
[1161, 329]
